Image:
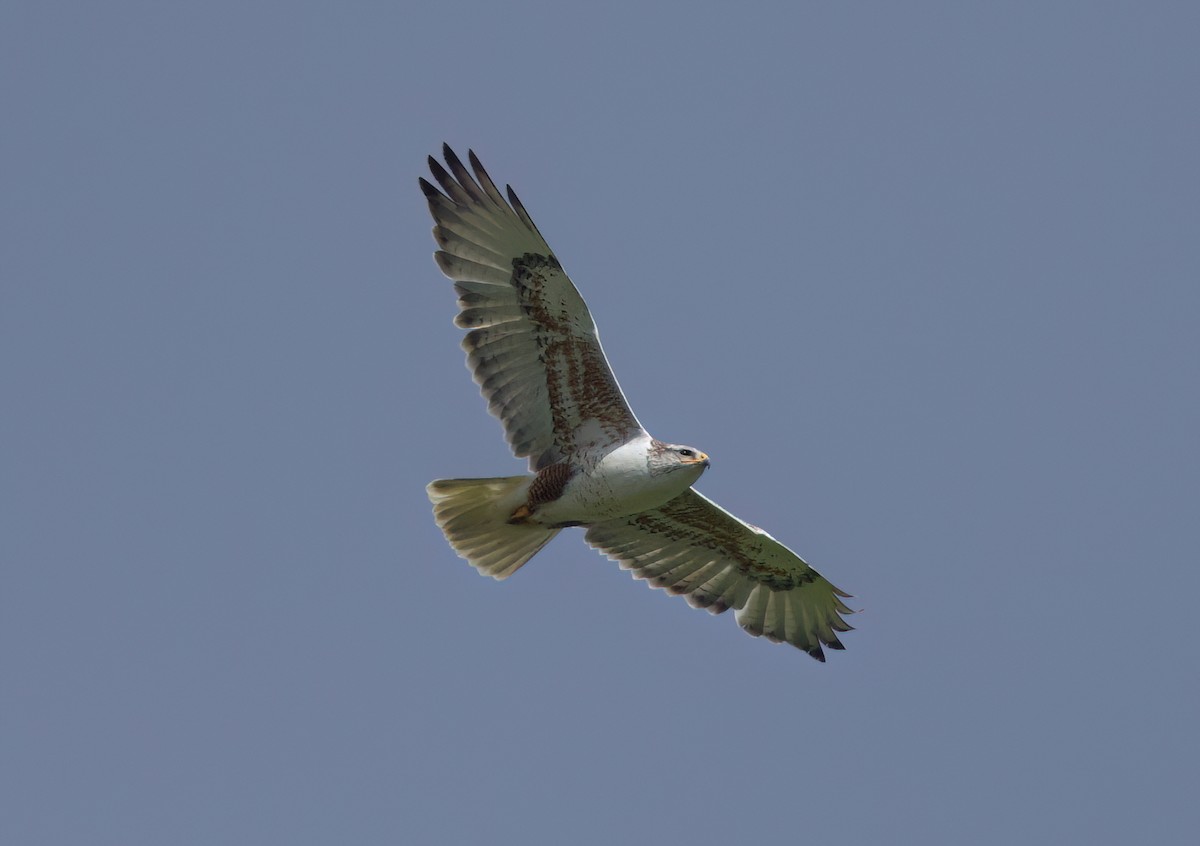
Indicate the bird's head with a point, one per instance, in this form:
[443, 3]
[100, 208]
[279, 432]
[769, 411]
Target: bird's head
[678, 458]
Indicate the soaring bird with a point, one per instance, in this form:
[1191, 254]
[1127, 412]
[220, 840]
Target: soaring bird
[535, 353]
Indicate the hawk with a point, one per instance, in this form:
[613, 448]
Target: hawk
[535, 352]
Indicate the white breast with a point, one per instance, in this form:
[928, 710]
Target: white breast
[619, 484]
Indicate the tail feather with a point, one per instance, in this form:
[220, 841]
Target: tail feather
[473, 514]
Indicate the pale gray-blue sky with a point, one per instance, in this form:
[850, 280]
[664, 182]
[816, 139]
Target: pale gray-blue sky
[921, 278]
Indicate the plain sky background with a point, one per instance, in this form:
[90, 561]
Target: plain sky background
[922, 278]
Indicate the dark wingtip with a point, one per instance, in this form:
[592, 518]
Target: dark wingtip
[817, 653]
[480, 171]
[451, 158]
[427, 189]
[439, 173]
[837, 644]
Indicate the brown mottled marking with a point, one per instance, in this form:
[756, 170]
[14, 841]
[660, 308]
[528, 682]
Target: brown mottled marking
[578, 382]
[719, 536]
[547, 486]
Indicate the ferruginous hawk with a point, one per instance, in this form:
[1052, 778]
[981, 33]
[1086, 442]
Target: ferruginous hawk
[536, 355]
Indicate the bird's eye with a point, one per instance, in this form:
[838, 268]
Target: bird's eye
[686, 453]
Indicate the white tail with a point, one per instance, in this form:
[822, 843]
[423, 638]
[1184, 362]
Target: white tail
[473, 514]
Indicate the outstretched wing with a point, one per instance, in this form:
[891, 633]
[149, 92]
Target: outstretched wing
[533, 347]
[692, 546]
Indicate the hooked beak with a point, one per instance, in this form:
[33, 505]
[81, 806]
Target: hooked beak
[698, 458]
